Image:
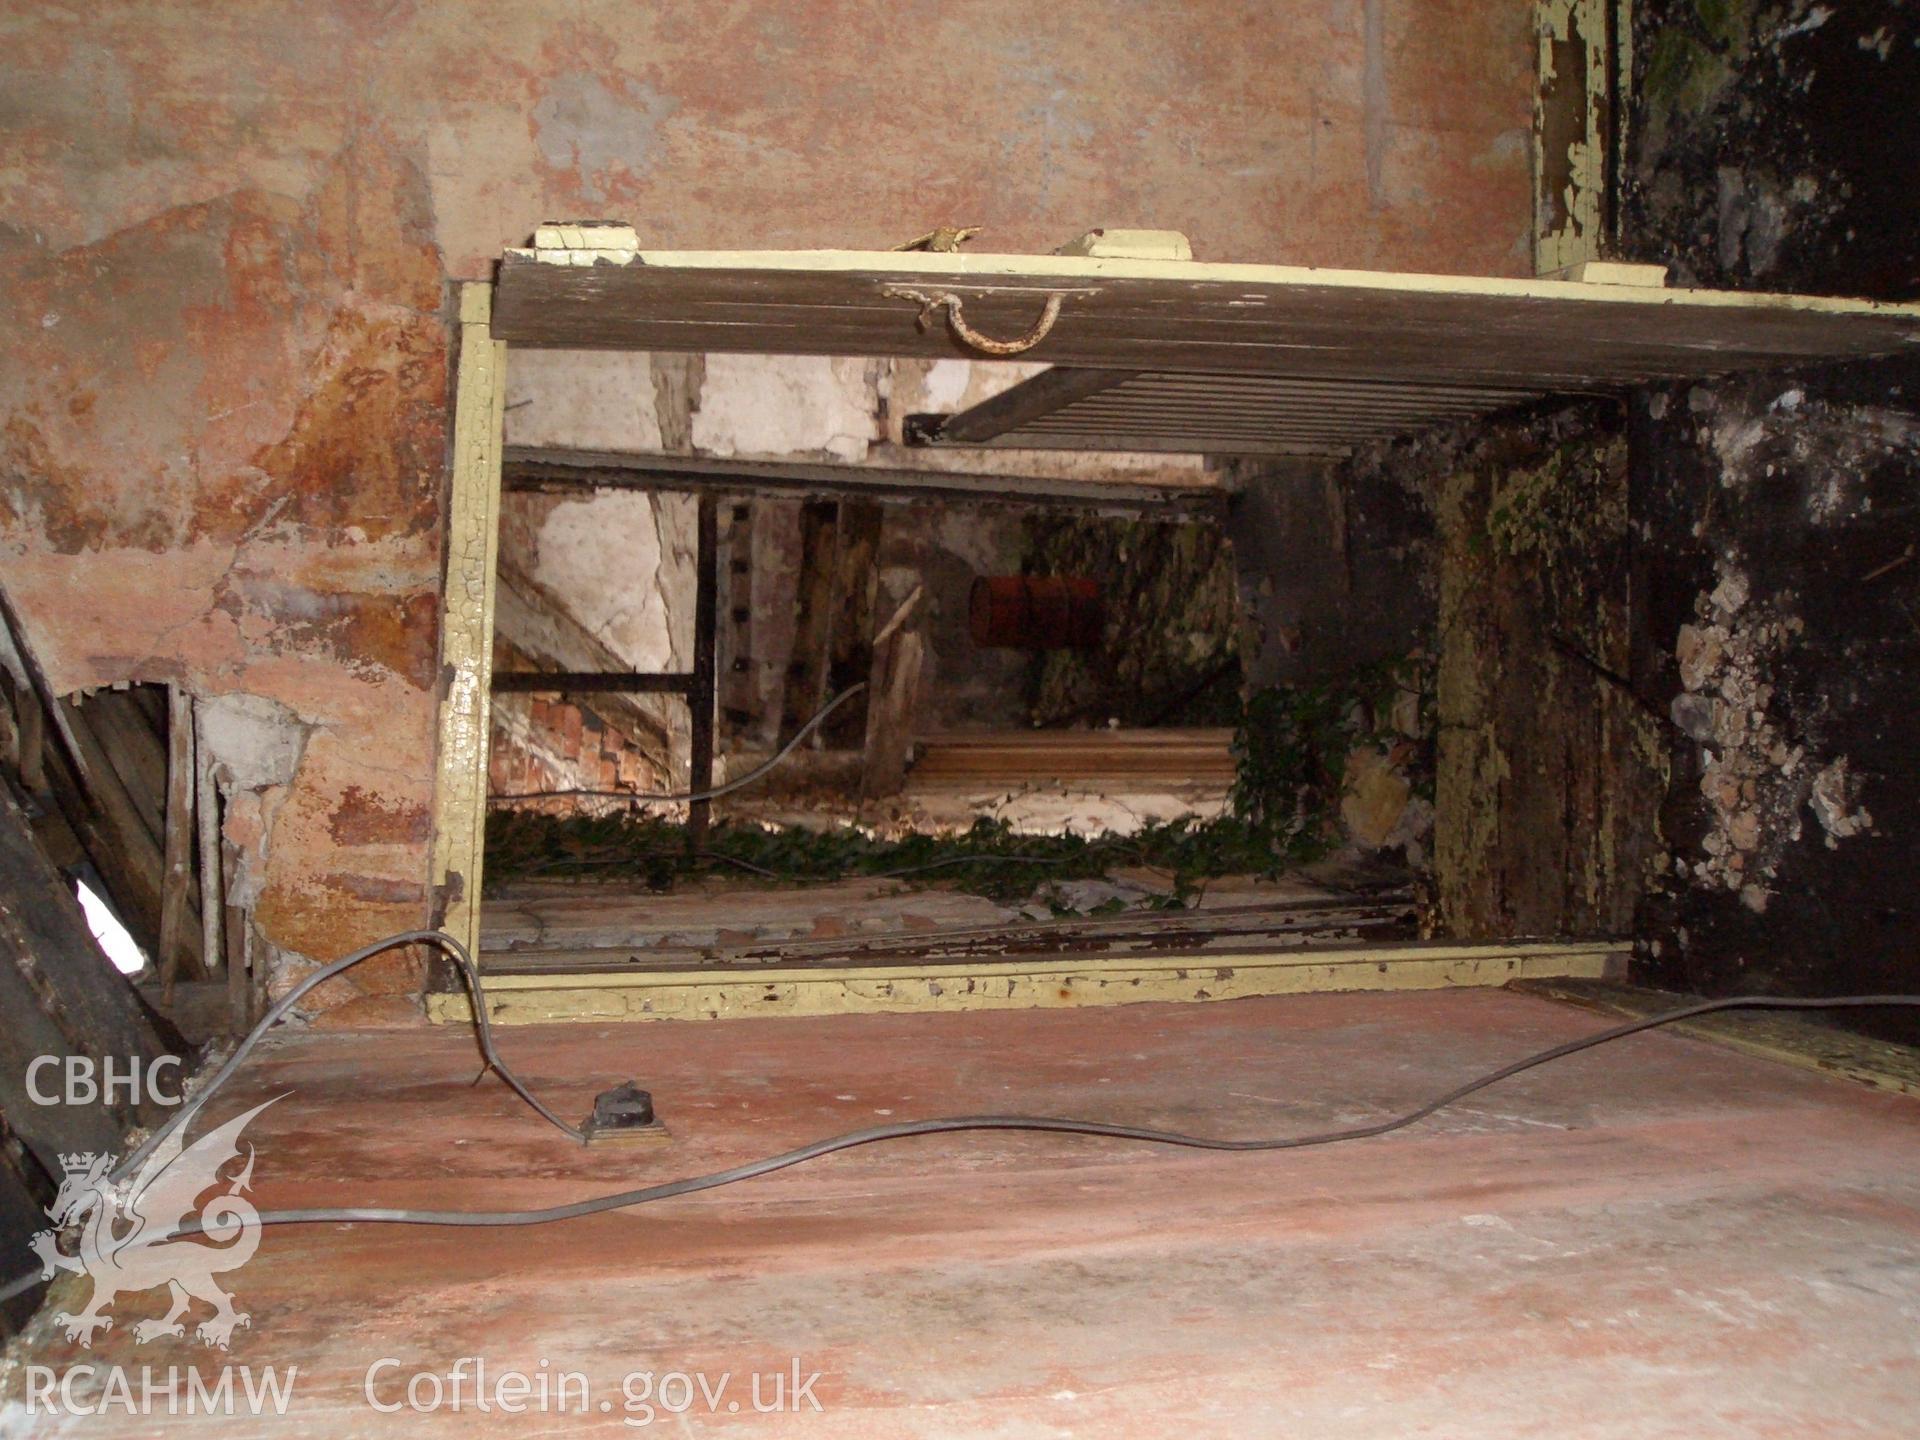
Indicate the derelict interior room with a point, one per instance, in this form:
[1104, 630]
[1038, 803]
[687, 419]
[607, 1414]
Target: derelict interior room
[878, 718]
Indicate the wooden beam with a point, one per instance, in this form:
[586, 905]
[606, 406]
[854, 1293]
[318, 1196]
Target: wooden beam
[1014, 407]
[702, 693]
[213, 886]
[91, 797]
[466, 622]
[178, 868]
[1147, 443]
[546, 469]
[1543, 335]
[109, 825]
[137, 749]
[1017, 982]
[594, 682]
[620, 939]
[240, 1012]
[1008, 758]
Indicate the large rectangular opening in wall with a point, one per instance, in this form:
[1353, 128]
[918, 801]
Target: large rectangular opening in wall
[1048, 644]
[1198, 444]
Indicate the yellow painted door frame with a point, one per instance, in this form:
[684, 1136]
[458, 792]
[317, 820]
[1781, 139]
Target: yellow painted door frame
[466, 618]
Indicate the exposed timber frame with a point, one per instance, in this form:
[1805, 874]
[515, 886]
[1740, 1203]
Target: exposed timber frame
[548, 468]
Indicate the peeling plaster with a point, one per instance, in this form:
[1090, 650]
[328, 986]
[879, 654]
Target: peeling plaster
[786, 405]
[1752, 777]
[626, 574]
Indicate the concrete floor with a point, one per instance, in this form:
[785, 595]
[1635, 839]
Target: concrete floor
[1657, 1238]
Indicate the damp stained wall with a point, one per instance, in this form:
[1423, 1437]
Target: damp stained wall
[1777, 575]
[228, 232]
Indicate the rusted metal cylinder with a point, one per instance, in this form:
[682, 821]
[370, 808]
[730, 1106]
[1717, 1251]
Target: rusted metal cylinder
[1035, 612]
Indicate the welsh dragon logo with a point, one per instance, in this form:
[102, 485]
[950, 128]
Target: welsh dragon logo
[127, 1241]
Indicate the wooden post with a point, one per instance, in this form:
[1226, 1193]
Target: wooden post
[213, 886]
[178, 870]
[850, 644]
[899, 656]
[805, 690]
[700, 698]
[466, 622]
[240, 1014]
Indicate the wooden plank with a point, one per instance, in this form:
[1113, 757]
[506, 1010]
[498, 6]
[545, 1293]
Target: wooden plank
[25, 1191]
[1023, 756]
[750, 923]
[1789, 1039]
[137, 750]
[739, 685]
[538, 468]
[1612, 272]
[90, 795]
[178, 862]
[1253, 319]
[31, 719]
[1142, 739]
[213, 888]
[593, 682]
[702, 694]
[109, 824]
[1028, 983]
[1576, 132]
[466, 622]
[60, 997]
[1015, 407]
[240, 1014]
[1316, 451]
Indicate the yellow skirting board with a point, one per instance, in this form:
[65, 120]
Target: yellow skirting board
[1019, 983]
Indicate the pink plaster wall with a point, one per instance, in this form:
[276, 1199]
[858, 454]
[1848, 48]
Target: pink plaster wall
[227, 231]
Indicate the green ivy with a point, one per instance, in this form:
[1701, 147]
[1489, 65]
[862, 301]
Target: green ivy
[1290, 746]
[990, 859]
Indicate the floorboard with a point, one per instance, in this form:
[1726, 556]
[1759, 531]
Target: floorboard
[1660, 1238]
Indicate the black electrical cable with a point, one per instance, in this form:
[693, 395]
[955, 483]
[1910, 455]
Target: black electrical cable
[689, 796]
[623, 1199]
[904, 1130]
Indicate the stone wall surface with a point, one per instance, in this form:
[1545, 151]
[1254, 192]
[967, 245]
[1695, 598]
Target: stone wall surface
[1775, 527]
[228, 231]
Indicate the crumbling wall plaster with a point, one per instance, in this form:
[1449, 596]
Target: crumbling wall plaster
[220, 467]
[800, 406]
[1777, 584]
[1780, 633]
